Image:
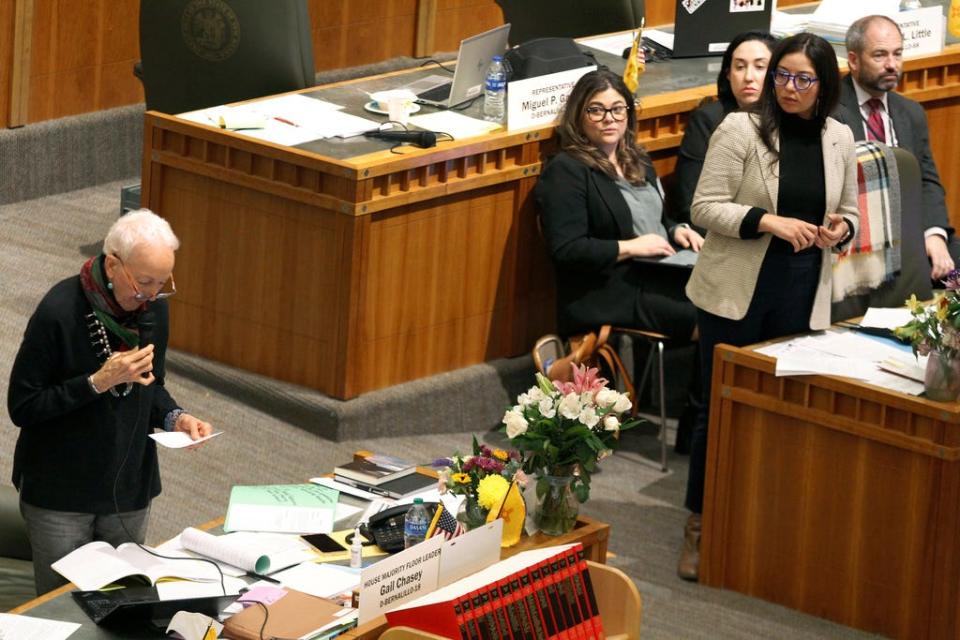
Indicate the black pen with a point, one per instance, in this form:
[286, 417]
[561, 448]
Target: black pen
[260, 576]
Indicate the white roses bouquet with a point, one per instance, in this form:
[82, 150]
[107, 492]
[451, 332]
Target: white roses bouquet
[566, 428]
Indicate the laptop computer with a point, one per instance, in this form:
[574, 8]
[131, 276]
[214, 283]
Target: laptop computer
[142, 606]
[468, 78]
[706, 27]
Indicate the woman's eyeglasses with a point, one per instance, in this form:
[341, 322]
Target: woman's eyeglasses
[167, 289]
[597, 113]
[801, 81]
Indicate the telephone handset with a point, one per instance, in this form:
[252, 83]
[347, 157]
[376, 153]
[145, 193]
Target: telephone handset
[386, 527]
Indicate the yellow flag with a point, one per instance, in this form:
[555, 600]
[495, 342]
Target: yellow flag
[513, 511]
[635, 66]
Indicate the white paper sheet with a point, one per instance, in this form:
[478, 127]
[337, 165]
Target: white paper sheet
[841, 353]
[178, 439]
[319, 579]
[180, 589]
[456, 124]
[17, 627]
[614, 44]
[886, 318]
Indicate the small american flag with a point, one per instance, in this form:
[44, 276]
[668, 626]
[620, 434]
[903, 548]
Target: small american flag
[447, 525]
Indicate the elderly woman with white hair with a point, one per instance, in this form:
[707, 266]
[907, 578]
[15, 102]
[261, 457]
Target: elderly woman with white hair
[87, 388]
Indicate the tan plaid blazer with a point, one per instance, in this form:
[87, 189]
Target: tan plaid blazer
[738, 174]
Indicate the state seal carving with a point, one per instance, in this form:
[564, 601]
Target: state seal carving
[210, 29]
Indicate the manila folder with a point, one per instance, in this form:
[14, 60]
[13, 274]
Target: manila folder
[294, 615]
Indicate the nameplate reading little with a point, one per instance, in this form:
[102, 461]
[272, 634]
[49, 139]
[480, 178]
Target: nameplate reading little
[537, 101]
[923, 31]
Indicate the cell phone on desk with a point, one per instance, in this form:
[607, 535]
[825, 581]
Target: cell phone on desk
[323, 543]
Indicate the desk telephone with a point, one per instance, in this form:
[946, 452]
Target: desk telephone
[386, 527]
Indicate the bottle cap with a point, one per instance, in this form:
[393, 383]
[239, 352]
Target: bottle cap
[498, 58]
[418, 501]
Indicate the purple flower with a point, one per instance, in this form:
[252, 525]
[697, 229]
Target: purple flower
[442, 462]
[470, 464]
[952, 281]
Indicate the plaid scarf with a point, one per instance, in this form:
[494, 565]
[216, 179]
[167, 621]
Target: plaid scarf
[119, 322]
[872, 257]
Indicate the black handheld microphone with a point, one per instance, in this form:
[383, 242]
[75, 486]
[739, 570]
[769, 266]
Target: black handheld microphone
[423, 139]
[145, 325]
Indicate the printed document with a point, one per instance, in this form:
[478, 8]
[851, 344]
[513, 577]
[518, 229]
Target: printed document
[282, 508]
[29, 628]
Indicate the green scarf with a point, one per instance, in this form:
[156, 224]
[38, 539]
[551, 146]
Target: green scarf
[119, 322]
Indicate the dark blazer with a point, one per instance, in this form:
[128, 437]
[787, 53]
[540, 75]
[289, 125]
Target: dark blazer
[72, 441]
[910, 126]
[693, 149]
[583, 215]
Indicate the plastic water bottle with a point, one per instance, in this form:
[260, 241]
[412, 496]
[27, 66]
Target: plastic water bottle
[495, 91]
[415, 524]
[356, 550]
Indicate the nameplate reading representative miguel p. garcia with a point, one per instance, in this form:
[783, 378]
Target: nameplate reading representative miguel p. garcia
[537, 101]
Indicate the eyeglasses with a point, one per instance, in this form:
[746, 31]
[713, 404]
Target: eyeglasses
[167, 289]
[597, 113]
[801, 81]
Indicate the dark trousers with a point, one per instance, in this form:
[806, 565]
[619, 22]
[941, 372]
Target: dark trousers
[781, 305]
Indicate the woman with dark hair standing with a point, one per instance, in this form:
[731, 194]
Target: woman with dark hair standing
[777, 195]
[601, 207]
[739, 83]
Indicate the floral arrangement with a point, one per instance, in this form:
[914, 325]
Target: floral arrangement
[484, 478]
[566, 428]
[935, 327]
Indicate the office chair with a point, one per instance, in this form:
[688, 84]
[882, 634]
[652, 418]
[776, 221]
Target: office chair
[550, 348]
[16, 566]
[531, 19]
[914, 276]
[202, 53]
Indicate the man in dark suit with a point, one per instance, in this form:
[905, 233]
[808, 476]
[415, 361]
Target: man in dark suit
[869, 106]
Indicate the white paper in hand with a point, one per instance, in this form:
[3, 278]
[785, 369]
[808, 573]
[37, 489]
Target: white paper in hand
[178, 439]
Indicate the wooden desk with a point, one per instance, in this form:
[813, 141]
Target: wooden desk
[348, 273]
[593, 534]
[833, 497]
[60, 606]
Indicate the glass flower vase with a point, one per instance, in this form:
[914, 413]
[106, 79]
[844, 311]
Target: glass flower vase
[470, 514]
[942, 379]
[557, 506]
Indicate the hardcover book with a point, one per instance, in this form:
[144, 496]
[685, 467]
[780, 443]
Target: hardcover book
[374, 469]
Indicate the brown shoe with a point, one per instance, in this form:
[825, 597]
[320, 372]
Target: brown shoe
[689, 566]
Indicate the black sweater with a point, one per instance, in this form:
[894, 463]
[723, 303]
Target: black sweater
[73, 441]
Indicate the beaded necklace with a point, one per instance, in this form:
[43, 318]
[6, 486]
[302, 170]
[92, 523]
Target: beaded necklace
[101, 345]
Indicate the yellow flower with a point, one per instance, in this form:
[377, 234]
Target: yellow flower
[460, 478]
[491, 490]
[501, 455]
[913, 304]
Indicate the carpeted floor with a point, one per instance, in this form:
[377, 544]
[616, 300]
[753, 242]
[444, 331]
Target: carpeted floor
[45, 240]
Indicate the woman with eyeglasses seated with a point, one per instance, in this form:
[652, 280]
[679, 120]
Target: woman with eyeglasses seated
[87, 388]
[601, 209]
[743, 70]
[777, 196]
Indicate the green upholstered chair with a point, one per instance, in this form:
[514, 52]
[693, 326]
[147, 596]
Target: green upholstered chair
[16, 567]
[531, 19]
[201, 53]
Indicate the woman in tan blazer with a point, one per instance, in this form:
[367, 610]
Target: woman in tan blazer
[778, 194]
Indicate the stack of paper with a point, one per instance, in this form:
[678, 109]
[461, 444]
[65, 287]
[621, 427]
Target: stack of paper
[832, 18]
[847, 354]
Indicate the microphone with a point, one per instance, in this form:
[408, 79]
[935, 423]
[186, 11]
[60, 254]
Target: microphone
[423, 139]
[145, 324]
